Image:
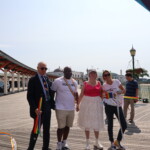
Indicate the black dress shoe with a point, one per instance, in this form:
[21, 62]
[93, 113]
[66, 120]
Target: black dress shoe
[65, 148]
[46, 149]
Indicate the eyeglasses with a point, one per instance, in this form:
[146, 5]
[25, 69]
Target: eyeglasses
[43, 68]
[106, 75]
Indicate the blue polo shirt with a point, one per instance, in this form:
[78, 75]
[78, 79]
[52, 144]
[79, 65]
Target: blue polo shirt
[131, 87]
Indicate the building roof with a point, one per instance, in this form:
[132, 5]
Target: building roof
[11, 64]
[58, 70]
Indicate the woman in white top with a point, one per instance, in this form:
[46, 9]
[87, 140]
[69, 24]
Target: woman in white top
[112, 90]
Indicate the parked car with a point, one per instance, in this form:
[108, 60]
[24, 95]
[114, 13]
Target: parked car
[2, 86]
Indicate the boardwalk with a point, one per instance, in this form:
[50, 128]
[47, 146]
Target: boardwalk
[14, 118]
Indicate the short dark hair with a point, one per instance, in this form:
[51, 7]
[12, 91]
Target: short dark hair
[66, 69]
[128, 74]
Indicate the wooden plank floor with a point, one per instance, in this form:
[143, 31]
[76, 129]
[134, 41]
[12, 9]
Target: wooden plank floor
[14, 119]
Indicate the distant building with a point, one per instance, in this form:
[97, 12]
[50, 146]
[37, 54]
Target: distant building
[55, 74]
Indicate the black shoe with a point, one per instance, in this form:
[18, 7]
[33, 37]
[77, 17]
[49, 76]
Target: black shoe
[118, 145]
[65, 148]
[46, 149]
[33, 138]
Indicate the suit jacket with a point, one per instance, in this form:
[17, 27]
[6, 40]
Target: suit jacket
[35, 92]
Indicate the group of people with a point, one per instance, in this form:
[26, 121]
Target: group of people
[90, 103]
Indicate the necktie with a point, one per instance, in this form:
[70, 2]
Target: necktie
[45, 88]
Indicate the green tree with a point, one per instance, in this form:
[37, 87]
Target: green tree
[139, 72]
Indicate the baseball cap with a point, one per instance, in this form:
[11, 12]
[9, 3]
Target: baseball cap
[92, 70]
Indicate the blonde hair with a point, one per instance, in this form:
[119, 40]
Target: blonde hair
[105, 72]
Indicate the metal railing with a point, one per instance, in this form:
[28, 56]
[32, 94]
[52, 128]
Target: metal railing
[144, 91]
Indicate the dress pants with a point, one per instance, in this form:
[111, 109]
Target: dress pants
[45, 121]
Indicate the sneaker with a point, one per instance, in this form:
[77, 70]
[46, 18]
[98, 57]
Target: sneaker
[112, 146]
[65, 145]
[87, 145]
[118, 145]
[98, 146]
[59, 146]
[131, 121]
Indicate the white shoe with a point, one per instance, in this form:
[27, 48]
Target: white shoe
[65, 145]
[87, 145]
[59, 146]
[98, 145]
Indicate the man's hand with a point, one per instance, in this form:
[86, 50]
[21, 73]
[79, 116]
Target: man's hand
[77, 108]
[38, 112]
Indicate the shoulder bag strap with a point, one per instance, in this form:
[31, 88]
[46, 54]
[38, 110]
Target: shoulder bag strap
[69, 86]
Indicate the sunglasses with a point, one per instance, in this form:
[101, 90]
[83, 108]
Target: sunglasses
[43, 68]
[106, 75]
[128, 75]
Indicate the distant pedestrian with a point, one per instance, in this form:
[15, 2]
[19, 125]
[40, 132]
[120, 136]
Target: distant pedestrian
[40, 87]
[131, 91]
[66, 93]
[112, 90]
[91, 109]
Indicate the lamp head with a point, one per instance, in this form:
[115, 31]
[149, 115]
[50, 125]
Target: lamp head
[132, 51]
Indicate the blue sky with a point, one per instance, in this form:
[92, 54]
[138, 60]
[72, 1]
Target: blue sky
[77, 33]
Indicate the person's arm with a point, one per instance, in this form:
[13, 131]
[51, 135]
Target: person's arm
[101, 90]
[54, 87]
[52, 93]
[137, 92]
[80, 97]
[76, 95]
[30, 94]
[81, 94]
[122, 89]
[102, 93]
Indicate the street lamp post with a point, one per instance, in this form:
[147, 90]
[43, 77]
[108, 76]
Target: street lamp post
[132, 52]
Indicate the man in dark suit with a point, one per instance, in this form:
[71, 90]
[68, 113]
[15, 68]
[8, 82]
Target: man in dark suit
[39, 86]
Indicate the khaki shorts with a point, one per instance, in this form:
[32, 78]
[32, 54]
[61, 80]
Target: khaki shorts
[65, 118]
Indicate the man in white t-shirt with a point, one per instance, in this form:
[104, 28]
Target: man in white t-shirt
[66, 92]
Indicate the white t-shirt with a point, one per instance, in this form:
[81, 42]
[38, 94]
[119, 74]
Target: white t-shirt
[64, 99]
[113, 98]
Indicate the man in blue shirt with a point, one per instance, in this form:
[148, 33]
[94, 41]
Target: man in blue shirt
[131, 91]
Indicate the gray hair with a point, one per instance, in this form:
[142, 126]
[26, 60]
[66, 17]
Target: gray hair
[41, 63]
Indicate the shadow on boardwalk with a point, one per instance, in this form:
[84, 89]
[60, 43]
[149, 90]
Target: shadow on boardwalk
[132, 128]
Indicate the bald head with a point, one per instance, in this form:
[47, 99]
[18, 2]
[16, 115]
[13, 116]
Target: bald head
[41, 68]
[41, 64]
